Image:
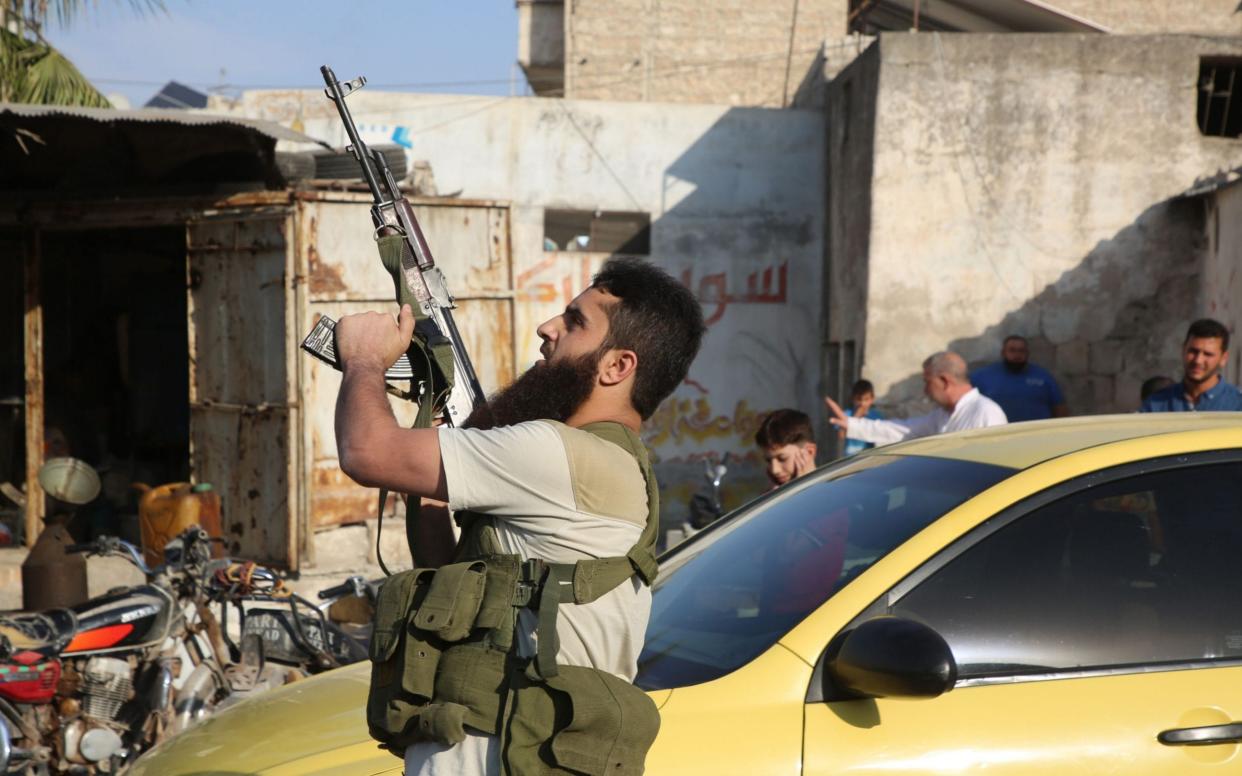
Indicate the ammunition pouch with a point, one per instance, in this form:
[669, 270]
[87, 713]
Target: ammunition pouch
[580, 721]
[403, 661]
[452, 601]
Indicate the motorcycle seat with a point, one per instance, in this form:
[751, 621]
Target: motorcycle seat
[46, 632]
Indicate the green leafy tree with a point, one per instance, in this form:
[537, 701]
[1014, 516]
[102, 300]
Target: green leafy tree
[31, 69]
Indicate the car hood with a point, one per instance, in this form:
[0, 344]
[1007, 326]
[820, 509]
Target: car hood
[320, 719]
[315, 726]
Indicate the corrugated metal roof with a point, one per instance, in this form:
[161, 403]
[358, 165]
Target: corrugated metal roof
[159, 115]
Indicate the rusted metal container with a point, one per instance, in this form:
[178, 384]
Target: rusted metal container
[50, 576]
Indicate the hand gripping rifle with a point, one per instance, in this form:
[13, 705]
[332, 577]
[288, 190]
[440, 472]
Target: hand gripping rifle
[442, 379]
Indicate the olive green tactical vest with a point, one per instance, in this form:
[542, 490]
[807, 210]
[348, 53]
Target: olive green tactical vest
[444, 653]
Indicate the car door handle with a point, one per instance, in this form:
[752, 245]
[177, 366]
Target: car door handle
[1230, 732]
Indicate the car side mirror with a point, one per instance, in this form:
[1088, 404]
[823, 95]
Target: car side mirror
[889, 657]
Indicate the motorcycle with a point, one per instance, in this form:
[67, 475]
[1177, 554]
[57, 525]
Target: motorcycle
[280, 626]
[97, 683]
[85, 689]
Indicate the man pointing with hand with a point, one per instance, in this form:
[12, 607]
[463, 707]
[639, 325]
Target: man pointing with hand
[947, 383]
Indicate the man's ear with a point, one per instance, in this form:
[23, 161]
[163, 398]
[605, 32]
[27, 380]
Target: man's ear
[617, 366]
[811, 448]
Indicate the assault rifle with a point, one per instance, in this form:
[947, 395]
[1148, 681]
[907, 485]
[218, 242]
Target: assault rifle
[444, 381]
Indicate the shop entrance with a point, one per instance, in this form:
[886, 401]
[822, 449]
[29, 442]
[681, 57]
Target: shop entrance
[115, 364]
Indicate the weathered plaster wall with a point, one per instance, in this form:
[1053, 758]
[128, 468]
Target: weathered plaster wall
[1020, 185]
[1210, 17]
[1222, 272]
[736, 197]
[728, 52]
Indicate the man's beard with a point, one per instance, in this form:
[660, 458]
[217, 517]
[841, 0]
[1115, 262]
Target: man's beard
[547, 391]
[1015, 367]
[1208, 376]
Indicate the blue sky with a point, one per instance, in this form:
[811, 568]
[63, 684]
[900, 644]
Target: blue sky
[457, 46]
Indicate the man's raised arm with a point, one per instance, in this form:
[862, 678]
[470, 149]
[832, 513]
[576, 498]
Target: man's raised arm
[374, 450]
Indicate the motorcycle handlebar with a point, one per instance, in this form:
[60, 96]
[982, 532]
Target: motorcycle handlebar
[336, 591]
[352, 586]
[110, 545]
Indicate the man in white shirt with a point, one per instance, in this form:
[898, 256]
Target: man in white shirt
[947, 383]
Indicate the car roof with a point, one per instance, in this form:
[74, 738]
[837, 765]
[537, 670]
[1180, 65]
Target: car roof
[1020, 445]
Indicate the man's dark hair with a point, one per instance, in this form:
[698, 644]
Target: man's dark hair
[784, 427]
[1206, 328]
[657, 318]
[860, 388]
[1013, 337]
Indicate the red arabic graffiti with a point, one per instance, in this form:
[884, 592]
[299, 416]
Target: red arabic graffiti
[559, 276]
[767, 286]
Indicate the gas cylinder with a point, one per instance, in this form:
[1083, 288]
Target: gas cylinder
[167, 510]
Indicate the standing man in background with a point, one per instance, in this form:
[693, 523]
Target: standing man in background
[1025, 391]
[945, 381]
[1205, 351]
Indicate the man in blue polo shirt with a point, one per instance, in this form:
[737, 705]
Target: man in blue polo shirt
[1202, 389]
[1025, 391]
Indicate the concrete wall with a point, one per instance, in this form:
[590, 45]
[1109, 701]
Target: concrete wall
[1222, 272]
[736, 197]
[1210, 17]
[1021, 184]
[728, 52]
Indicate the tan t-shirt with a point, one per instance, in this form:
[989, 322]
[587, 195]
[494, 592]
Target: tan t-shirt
[560, 494]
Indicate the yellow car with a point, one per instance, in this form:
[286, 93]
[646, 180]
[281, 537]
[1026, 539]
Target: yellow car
[1052, 597]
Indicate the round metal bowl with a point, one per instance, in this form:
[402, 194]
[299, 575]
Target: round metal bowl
[69, 480]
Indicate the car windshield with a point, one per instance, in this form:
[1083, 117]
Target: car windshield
[742, 584]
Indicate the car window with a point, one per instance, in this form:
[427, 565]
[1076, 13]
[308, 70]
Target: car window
[1137, 572]
[746, 582]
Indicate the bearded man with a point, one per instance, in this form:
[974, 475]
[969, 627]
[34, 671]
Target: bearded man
[1025, 391]
[1205, 352]
[552, 467]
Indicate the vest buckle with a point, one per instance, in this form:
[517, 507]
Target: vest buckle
[530, 576]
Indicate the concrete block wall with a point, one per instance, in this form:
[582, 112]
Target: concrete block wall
[726, 52]
[1029, 184]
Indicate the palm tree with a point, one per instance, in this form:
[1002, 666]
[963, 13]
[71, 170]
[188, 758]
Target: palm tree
[31, 70]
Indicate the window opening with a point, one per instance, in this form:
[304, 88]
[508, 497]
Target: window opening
[597, 231]
[1220, 98]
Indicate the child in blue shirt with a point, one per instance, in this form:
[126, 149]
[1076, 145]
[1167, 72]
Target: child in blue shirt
[862, 396]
